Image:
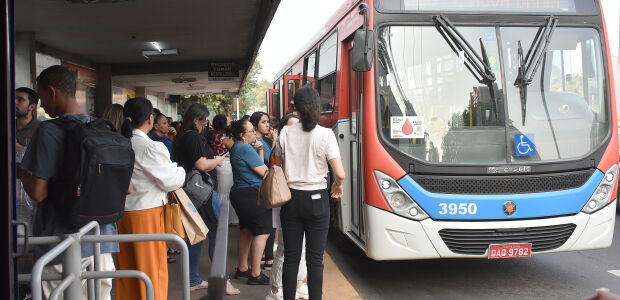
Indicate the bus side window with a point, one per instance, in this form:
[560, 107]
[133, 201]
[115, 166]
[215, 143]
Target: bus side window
[327, 73]
[309, 68]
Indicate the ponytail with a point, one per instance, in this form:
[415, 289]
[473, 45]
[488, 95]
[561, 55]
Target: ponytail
[136, 111]
[237, 128]
[307, 104]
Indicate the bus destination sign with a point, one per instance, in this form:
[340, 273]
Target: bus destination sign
[557, 6]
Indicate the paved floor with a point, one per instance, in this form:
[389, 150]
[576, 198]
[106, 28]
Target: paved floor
[335, 287]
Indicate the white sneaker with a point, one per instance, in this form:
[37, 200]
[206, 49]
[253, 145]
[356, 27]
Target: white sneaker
[277, 296]
[302, 292]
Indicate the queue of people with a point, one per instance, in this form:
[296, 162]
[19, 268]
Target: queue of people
[235, 156]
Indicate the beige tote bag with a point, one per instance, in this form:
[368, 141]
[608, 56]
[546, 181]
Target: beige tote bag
[274, 191]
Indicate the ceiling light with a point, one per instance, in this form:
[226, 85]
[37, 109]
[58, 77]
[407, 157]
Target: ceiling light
[156, 46]
[182, 79]
[147, 53]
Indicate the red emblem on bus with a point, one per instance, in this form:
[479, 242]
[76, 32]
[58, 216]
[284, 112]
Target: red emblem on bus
[509, 208]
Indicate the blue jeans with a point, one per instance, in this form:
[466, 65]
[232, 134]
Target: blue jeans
[194, 262]
[195, 250]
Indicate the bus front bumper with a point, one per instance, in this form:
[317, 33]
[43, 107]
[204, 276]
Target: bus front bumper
[391, 237]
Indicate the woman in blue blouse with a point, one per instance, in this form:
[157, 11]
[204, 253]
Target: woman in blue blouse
[248, 166]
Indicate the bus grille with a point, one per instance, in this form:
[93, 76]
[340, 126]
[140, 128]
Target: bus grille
[520, 184]
[477, 241]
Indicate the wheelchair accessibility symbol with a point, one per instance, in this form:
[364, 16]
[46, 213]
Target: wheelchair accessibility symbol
[524, 145]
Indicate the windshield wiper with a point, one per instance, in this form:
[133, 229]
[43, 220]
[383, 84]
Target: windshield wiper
[478, 66]
[529, 65]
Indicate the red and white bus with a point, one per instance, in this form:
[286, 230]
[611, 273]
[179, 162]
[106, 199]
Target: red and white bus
[468, 128]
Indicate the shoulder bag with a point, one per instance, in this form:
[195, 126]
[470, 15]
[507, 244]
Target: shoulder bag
[274, 191]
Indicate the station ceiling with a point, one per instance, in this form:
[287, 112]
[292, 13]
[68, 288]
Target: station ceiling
[115, 32]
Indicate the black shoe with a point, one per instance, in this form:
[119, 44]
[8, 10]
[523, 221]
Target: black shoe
[240, 274]
[267, 266]
[261, 279]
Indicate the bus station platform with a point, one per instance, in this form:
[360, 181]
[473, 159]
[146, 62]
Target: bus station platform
[335, 285]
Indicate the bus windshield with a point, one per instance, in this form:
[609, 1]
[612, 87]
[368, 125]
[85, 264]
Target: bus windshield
[432, 108]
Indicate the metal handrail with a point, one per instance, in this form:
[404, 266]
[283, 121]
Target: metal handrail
[61, 287]
[72, 267]
[37, 269]
[150, 238]
[217, 279]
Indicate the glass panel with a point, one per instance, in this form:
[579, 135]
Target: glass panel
[355, 212]
[292, 87]
[566, 113]
[327, 91]
[327, 58]
[310, 68]
[354, 86]
[419, 76]
[275, 104]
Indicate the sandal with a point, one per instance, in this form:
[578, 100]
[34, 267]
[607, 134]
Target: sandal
[231, 290]
[171, 260]
[202, 285]
[172, 251]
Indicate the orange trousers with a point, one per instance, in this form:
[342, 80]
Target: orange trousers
[148, 257]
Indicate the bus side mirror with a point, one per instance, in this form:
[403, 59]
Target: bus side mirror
[363, 50]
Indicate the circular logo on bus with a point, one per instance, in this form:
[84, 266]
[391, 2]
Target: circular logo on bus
[509, 208]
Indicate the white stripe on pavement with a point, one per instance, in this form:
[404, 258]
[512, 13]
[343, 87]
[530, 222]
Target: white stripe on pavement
[615, 272]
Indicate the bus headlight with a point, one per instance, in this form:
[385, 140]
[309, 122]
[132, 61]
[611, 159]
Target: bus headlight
[603, 192]
[400, 202]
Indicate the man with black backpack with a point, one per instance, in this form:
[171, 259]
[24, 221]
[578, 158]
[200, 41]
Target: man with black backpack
[78, 169]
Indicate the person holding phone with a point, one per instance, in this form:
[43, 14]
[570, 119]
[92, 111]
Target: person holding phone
[191, 150]
[224, 172]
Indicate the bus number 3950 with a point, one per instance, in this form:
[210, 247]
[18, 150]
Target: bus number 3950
[460, 208]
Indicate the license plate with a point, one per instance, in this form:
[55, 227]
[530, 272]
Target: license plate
[510, 250]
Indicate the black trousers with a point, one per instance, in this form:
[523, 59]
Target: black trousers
[306, 213]
[269, 245]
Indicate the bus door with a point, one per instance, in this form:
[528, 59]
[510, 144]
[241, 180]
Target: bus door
[273, 96]
[291, 84]
[355, 100]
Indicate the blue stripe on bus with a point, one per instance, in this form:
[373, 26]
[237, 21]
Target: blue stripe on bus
[490, 207]
[338, 123]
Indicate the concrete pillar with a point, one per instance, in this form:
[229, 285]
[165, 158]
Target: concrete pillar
[140, 91]
[103, 95]
[161, 103]
[25, 63]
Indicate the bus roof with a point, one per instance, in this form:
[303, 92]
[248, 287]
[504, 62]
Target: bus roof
[318, 36]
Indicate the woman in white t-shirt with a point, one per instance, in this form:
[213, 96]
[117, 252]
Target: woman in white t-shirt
[305, 149]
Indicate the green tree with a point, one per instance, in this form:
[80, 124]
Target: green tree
[247, 93]
[216, 103]
[261, 95]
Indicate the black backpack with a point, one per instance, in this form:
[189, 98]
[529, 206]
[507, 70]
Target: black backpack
[95, 174]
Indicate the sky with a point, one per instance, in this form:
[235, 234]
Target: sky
[296, 22]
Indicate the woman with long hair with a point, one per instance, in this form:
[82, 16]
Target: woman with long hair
[114, 114]
[247, 160]
[192, 151]
[278, 260]
[304, 149]
[154, 175]
[260, 121]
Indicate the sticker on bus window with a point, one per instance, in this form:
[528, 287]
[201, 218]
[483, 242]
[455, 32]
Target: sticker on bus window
[407, 127]
[524, 145]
